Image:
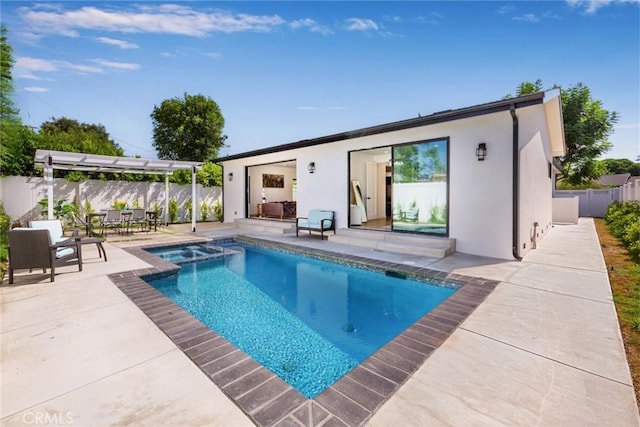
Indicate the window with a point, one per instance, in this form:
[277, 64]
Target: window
[421, 187]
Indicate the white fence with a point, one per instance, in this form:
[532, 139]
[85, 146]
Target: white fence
[20, 195]
[594, 203]
[631, 190]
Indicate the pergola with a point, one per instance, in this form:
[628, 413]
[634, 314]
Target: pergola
[50, 160]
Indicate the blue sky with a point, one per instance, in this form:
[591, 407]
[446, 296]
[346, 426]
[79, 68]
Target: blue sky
[286, 71]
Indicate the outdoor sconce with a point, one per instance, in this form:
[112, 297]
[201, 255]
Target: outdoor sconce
[481, 151]
[312, 167]
[230, 176]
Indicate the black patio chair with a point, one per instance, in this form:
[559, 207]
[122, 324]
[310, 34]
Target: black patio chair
[32, 248]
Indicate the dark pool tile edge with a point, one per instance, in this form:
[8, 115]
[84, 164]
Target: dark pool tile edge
[340, 404]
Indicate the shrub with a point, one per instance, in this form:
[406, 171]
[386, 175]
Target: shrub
[218, 213]
[204, 210]
[173, 211]
[188, 205]
[623, 220]
[5, 222]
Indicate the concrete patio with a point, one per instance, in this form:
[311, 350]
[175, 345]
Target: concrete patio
[543, 349]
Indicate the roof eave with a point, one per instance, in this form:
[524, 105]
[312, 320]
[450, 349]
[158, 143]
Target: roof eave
[439, 117]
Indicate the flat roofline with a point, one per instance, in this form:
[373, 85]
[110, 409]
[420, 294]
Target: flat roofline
[110, 164]
[438, 117]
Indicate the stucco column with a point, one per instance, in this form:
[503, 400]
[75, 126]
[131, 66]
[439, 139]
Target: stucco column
[166, 198]
[48, 179]
[193, 199]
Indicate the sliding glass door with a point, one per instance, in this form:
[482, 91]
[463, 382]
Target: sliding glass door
[420, 187]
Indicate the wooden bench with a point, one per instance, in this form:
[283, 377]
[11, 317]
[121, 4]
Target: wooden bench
[317, 220]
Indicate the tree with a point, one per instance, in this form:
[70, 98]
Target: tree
[614, 166]
[188, 128]
[587, 127]
[12, 147]
[8, 110]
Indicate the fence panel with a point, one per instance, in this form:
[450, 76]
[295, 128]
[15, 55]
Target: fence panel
[592, 202]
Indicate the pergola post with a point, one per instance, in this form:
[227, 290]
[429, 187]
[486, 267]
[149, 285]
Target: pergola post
[48, 178]
[193, 199]
[166, 199]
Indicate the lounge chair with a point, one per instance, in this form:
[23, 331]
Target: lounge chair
[33, 248]
[317, 221]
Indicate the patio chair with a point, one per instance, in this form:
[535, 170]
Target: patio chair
[54, 226]
[139, 217]
[317, 220]
[33, 248]
[112, 219]
[412, 214]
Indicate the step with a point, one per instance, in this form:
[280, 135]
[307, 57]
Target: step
[265, 226]
[432, 246]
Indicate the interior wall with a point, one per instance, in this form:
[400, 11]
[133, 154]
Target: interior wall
[272, 194]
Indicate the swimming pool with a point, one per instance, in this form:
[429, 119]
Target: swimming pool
[308, 321]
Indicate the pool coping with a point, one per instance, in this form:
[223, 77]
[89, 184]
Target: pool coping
[265, 398]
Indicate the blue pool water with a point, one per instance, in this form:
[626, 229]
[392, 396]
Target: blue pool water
[308, 321]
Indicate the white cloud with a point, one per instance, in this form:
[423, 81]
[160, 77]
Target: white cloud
[592, 6]
[29, 68]
[214, 55]
[122, 44]
[163, 19]
[431, 18]
[25, 63]
[307, 108]
[361, 24]
[507, 8]
[35, 89]
[527, 17]
[312, 25]
[82, 69]
[117, 65]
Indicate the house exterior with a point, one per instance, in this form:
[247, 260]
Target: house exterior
[482, 175]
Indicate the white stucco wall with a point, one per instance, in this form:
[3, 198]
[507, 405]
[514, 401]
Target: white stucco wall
[480, 192]
[20, 195]
[536, 186]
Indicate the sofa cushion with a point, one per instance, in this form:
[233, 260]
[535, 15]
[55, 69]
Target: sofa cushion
[53, 225]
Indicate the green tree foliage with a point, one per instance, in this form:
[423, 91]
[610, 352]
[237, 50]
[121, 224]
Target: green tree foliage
[16, 140]
[188, 128]
[209, 176]
[8, 110]
[66, 134]
[587, 127]
[614, 166]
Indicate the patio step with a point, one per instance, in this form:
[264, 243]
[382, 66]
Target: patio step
[265, 226]
[432, 246]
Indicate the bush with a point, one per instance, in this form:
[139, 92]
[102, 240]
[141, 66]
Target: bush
[5, 222]
[173, 211]
[623, 220]
[204, 210]
[218, 213]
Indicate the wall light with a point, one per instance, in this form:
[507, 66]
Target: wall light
[230, 176]
[481, 151]
[312, 167]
